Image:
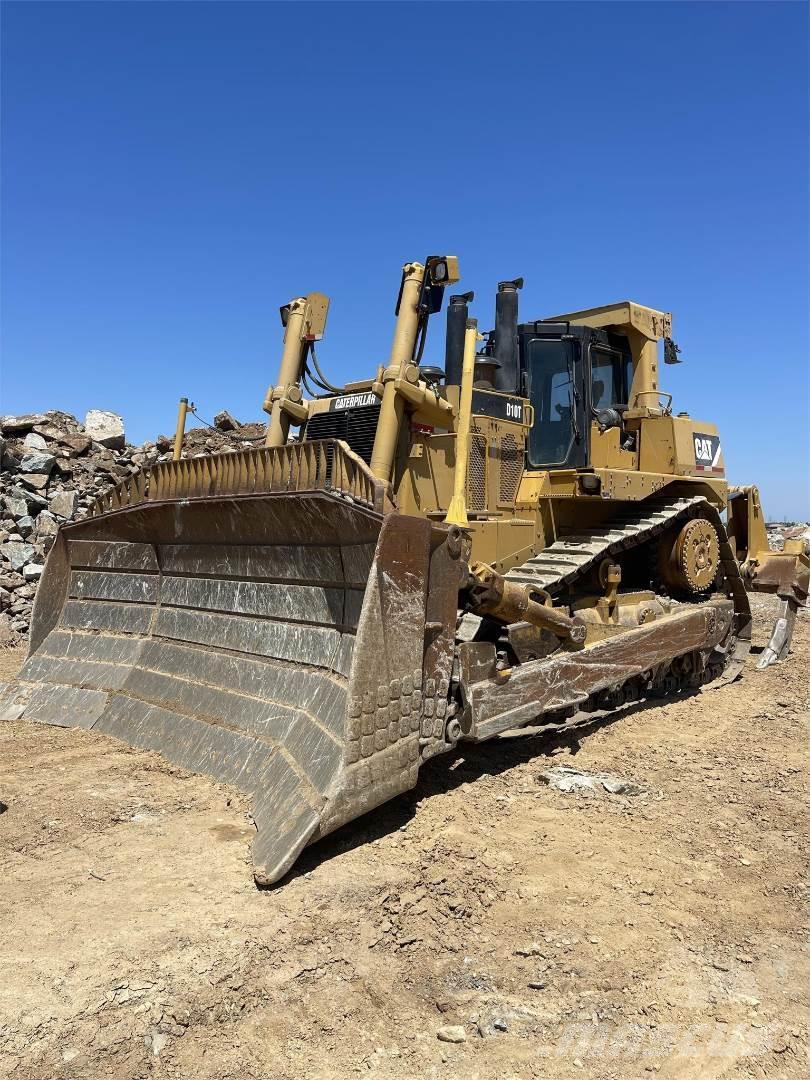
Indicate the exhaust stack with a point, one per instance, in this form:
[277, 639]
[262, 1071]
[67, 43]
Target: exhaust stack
[457, 314]
[506, 340]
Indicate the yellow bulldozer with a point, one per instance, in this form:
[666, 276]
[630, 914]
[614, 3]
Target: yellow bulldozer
[421, 558]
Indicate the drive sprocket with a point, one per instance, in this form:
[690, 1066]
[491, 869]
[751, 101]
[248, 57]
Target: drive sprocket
[697, 554]
[690, 561]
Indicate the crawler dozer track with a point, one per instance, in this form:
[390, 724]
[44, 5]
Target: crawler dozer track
[700, 640]
[563, 564]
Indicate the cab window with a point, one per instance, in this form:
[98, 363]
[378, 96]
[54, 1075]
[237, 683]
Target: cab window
[607, 378]
[554, 397]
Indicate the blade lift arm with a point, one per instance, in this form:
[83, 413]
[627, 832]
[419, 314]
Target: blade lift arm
[304, 321]
[401, 385]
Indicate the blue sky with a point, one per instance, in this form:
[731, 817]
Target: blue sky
[174, 172]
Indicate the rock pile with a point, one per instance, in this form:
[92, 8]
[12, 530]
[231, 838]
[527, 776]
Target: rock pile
[52, 470]
[779, 531]
[224, 435]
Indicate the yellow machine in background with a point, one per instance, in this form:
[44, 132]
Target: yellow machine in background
[426, 556]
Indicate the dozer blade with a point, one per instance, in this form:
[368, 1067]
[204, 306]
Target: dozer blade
[274, 642]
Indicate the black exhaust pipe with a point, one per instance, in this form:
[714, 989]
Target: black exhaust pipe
[506, 339]
[457, 313]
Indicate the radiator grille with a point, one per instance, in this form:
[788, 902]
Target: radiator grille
[357, 427]
[477, 474]
[511, 468]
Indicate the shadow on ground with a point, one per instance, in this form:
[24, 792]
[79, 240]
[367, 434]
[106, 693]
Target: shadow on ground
[467, 764]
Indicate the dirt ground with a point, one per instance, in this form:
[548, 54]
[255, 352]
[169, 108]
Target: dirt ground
[566, 935]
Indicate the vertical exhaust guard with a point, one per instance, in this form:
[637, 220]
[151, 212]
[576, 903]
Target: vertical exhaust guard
[457, 314]
[506, 339]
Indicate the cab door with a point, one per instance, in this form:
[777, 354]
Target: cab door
[558, 439]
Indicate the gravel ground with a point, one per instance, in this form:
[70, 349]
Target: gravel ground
[543, 934]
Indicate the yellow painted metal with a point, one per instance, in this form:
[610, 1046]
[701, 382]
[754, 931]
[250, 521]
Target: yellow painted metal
[469, 470]
[457, 511]
[746, 521]
[306, 322]
[785, 572]
[393, 404]
[432, 408]
[180, 430]
[644, 328]
[260, 470]
[464, 468]
[645, 396]
[607, 451]
[625, 314]
[510, 602]
[289, 373]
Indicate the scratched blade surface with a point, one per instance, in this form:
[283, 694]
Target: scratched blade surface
[222, 635]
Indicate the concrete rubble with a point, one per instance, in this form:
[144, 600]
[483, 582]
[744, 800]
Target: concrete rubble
[52, 469]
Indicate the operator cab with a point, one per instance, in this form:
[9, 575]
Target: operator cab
[572, 375]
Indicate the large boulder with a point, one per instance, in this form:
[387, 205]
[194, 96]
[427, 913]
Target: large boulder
[76, 444]
[33, 441]
[46, 525]
[35, 480]
[19, 425]
[63, 503]
[106, 428]
[15, 506]
[9, 461]
[17, 554]
[32, 499]
[225, 422]
[37, 461]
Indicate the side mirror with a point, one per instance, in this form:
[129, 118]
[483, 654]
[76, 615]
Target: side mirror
[671, 351]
